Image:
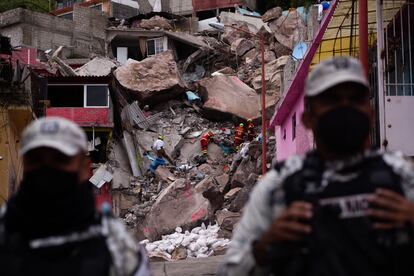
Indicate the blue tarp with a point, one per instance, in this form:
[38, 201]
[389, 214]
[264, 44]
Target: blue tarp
[192, 97]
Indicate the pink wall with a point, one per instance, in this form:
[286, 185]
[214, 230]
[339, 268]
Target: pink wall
[303, 141]
[85, 117]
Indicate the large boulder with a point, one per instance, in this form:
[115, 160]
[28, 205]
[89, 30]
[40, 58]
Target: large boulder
[272, 14]
[153, 80]
[156, 22]
[226, 96]
[289, 29]
[241, 46]
[177, 205]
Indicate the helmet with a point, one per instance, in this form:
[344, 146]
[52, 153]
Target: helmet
[161, 137]
[249, 121]
[242, 125]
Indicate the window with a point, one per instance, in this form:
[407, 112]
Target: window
[96, 96]
[65, 95]
[294, 126]
[78, 95]
[284, 134]
[96, 7]
[155, 46]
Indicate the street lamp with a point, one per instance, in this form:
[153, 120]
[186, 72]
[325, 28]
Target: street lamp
[221, 27]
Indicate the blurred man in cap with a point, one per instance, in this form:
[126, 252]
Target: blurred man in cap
[342, 209]
[50, 227]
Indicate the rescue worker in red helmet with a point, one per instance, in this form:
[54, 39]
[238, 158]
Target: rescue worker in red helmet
[251, 134]
[205, 141]
[239, 135]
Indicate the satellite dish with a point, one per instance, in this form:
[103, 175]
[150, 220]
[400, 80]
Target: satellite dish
[299, 50]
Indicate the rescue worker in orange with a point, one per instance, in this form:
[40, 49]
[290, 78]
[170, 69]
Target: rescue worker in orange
[240, 132]
[250, 130]
[205, 141]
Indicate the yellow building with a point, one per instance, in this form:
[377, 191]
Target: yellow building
[15, 115]
[341, 36]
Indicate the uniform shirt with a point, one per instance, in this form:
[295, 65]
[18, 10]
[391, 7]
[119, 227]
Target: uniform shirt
[258, 214]
[158, 145]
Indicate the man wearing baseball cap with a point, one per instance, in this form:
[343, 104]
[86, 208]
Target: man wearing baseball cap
[343, 208]
[50, 226]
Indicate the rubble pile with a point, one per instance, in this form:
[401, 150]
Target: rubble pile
[211, 83]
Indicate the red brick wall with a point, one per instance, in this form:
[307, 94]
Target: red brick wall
[84, 117]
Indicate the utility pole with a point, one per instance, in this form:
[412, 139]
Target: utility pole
[363, 34]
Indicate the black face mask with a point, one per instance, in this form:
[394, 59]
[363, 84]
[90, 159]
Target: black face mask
[343, 131]
[51, 201]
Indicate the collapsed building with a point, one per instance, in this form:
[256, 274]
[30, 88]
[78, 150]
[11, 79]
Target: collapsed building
[155, 75]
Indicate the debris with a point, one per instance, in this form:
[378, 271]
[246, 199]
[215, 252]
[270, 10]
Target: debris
[98, 66]
[101, 176]
[232, 193]
[222, 182]
[241, 46]
[226, 220]
[240, 30]
[223, 95]
[153, 80]
[156, 22]
[195, 134]
[272, 14]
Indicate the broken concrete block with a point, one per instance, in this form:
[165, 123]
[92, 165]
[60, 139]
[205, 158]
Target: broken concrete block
[281, 50]
[232, 193]
[215, 197]
[289, 29]
[98, 66]
[232, 34]
[164, 174]
[251, 55]
[243, 195]
[227, 221]
[155, 22]
[242, 173]
[205, 168]
[153, 80]
[177, 205]
[269, 56]
[222, 182]
[204, 185]
[272, 14]
[241, 46]
[225, 96]
[226, 71]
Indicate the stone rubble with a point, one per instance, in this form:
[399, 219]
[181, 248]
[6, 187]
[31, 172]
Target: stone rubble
[169, 209]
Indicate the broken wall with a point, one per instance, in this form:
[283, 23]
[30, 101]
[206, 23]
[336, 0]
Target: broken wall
[85, 34]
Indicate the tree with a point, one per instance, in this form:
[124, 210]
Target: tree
[36, 5]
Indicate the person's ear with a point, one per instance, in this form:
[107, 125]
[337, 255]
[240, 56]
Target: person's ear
[86, 172]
